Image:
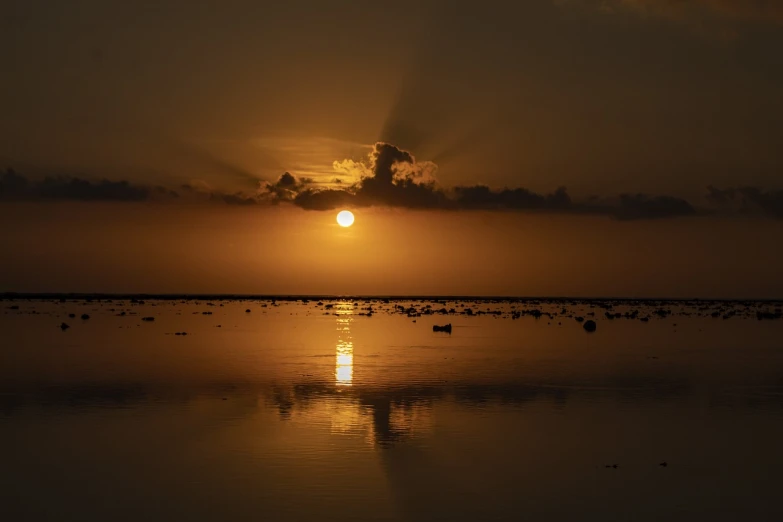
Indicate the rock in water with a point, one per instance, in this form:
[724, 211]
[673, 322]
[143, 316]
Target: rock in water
[85, 317]
[445, 328]
[64, 327]
[589, 326]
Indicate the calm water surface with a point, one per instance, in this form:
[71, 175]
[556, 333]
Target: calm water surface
[296, 411]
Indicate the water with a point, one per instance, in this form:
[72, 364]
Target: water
[301, 411]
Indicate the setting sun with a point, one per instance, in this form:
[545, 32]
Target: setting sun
[345, 218]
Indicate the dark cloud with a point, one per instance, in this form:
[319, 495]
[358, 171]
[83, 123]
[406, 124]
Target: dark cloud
[312, 199]
[748, 200]
[14, 187]
[484, 198]
[644, 206]
[285, 188]
[392, 177]
[204, 193]
[233, 199]
[396, 179]
[287, 180]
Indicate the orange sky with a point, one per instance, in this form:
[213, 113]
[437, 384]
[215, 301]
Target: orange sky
[183, 249]
[568, 147]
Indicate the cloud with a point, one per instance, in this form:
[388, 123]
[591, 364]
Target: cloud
[14, 187]
[392, 177]
[285, 188]
[328, 199]
[748, 200]
[483, 198]
[389, 177]
[644, 206]
[398, 180]
[353, 169]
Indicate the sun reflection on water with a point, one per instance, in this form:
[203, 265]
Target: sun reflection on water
[343, 371]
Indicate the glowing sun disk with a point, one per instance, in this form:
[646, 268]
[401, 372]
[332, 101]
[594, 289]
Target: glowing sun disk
[345, 218]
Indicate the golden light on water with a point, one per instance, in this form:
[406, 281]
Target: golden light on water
[345, 218]
[343, 370]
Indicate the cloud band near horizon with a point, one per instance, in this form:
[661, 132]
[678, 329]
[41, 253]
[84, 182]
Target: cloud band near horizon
[391, 177]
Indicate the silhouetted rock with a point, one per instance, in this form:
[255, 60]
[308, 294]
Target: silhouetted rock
[768, 315]
[85, 317]
[663, 464]
[579, 319]
[64, 327]
[589, 326]
[72, 316]
[445, 328]
[147, 318]
[247, 311]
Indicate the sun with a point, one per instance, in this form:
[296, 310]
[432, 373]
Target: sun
[345, 218]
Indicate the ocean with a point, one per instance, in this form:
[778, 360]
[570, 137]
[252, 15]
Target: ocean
[338, 409]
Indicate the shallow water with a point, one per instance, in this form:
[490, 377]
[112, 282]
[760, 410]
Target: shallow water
[301, 411]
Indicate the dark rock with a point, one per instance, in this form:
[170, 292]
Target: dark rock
[148, 319]
[589, 326]
[445, 328]
[64, 327]
[85, 317]
[247, 311]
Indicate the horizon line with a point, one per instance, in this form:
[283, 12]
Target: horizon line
[169, 296]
